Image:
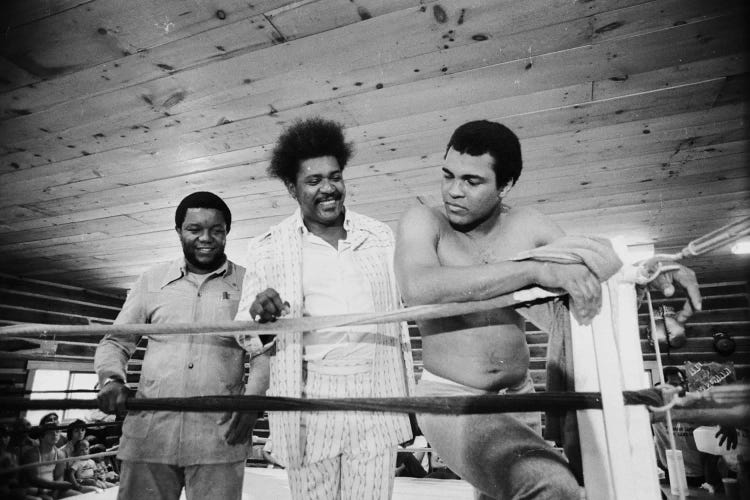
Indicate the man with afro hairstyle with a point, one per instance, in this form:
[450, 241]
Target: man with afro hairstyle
[323, 260]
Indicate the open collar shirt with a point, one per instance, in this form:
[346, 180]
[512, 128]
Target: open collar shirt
[178, 365]
[275, 259]
[332, 283]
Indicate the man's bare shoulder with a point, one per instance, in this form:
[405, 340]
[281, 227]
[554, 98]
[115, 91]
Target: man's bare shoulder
[421, 214]
[422, 211]
[525, 214]
[539, 226]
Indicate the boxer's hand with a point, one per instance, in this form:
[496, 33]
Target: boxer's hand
[580, 283]
[112, 397]
[268, 306]
[684, 278]
[240, 428]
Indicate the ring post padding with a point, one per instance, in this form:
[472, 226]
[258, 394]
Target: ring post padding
[616, 444]
[641, 441]
[597, 472]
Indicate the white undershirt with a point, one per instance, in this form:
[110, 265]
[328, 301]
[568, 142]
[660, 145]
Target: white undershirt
[332, 283]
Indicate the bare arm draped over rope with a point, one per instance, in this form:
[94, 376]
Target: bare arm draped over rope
[426, 278]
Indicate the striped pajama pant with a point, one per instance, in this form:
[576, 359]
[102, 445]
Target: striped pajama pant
[343, 457]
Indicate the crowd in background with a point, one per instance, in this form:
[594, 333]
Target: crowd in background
[22, 444]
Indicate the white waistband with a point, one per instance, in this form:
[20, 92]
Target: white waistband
[527, 385]
[428, 376]
[339, 366]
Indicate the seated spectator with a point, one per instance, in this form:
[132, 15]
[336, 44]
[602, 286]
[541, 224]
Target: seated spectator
[104, 469]
[104, 465]
[20, 437]
[83, 472]
[12, 445]
[10, 486]
[439, 470]
[46, 480]
[410, 464]
[54, 419]
[5, 454]
[75, 433]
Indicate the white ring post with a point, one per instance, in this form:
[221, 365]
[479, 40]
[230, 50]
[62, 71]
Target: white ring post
[617, 446]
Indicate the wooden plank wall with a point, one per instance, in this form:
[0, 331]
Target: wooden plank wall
[24, 300]
[726, 308]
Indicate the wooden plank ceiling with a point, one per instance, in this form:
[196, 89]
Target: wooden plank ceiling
[633, 116]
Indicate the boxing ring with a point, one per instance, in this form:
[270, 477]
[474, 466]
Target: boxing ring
[613, 403]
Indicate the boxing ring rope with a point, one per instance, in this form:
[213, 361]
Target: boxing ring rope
[727, 397]
[14, 405]
[453, 405]
[55, 391]
[31, 465]
[282, 325]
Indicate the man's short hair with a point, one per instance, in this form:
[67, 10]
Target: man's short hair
[478, 137]
[305, 139]
[202, 199]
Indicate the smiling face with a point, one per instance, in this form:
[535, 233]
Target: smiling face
[203, 235]
[320, 192]
[470, 193]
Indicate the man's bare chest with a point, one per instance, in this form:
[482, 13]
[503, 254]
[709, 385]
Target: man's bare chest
[461, 250]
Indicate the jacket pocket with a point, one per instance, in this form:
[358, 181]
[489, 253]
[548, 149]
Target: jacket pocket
[227, 309]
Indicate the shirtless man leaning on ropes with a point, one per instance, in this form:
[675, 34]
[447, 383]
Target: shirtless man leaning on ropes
[461, 254]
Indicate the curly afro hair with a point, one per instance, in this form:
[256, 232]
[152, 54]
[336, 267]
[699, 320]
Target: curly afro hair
[305, 139]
